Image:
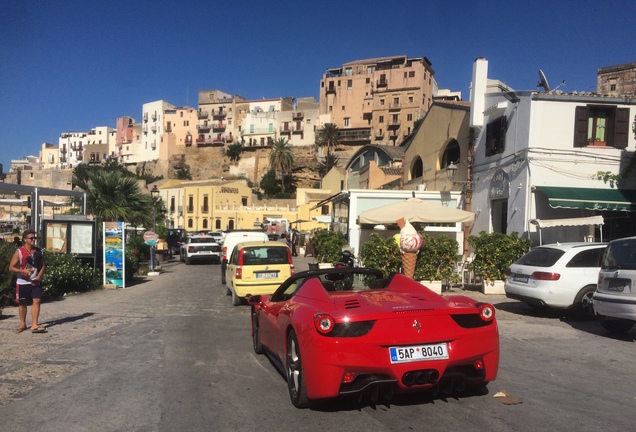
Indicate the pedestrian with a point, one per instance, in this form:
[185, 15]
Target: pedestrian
[295, 240]
[283, 238]
[28, 263]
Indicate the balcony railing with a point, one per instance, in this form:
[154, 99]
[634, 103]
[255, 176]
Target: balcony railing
[298, 115]
[145, 117]
[394, 124]
[203, 127]
[218, 114]
[395, 106]
[285, 130]
[354, 135]
[153, 128]
[205, 209]
[259, 131]
[298, 129]
[190, 209]
[331, 89]
[381, 83]
[379, 135]
[154, 117]
[168, 129]
[218, 127]
[202, 114]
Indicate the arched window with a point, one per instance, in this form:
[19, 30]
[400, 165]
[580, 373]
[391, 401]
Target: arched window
[218, 224]
[189, 223]
[451, 154]
[205, 224]
[417, 170]
[230, 224]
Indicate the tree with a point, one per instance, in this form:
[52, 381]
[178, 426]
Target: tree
[183, 174]
[330, 161]
[269, 184]
[327, 136]
[281, 159]
[234, 151]
[115, 198]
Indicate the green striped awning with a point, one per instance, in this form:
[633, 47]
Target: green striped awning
[590, 199]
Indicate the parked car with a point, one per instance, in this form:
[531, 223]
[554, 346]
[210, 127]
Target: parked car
[219, 236]
[231, 239]
[257, 268]
[560, 275]
[349, 331]
[615, 297]
[200, 248]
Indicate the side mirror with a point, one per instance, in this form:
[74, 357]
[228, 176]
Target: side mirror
[254, 300]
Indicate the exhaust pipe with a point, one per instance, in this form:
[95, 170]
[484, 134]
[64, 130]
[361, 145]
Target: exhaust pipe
[430, 376]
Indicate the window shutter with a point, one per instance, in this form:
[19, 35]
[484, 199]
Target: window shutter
[580, 126]
[621, 128]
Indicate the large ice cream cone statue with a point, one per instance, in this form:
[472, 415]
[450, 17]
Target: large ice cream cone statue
[410, 244]
[408, 263]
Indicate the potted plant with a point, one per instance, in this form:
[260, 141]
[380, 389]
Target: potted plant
[435, 262]
[494, 252]
[327, 246]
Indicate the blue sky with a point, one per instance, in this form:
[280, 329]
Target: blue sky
[72, 65]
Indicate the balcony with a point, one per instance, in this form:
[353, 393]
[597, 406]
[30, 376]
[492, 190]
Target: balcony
[190, 209]
[218, 114]
[259, 131]
[218, 127]
[395, 106]
[331, 89]
[188, 140]
[145, 117]
[381, 83]
[205, 209]
[172, 209]
[394, 124]
[379, 135]
[144, 129]
[285, 129]
[153, 128]
[354, 135]
[154, 117]
[63, 150]
[210, 141]
[202, 114]
[298, 115]
[168, 128]
[298, 128]
[203, 127]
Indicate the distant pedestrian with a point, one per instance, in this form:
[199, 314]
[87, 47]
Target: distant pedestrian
[294, 241]
[28, 263]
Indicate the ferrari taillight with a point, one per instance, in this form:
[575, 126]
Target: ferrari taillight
[348, 377]
[486, 312]
[239, 272]
[478, 364]
[323, 322]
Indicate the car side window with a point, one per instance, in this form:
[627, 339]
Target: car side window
[587, 258]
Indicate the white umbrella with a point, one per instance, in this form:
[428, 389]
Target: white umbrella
[414, 210]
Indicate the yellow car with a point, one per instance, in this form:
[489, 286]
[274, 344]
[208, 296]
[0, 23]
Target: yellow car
[257, 267]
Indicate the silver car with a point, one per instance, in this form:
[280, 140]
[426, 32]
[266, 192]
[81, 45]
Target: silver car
[615, 297]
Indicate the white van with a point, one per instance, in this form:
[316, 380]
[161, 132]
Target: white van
[232, 239]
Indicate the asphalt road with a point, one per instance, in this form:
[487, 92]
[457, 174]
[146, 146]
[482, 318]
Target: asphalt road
[171, 354]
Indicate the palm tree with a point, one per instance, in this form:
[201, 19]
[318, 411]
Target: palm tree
[281, 158]
[327, 136]
[330, 161]
[112, 197]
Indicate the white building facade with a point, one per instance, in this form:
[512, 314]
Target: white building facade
[537, 158]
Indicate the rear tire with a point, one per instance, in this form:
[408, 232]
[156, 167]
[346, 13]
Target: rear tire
[236, 300]
[256, 334]
[616, 326]
[583, 304]
[295, 375]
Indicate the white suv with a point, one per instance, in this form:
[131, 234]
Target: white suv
[615, 297]
[560, 275]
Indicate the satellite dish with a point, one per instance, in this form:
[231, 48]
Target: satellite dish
[543, 81]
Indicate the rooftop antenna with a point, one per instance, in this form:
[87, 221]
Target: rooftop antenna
[543, 81]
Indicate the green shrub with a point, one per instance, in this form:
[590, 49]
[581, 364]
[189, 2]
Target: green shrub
[65, 273]
[138, 247]
[381, 254]
[327, 245]
[494, 252]
[7, 279]
[132, 264]
[434, 262]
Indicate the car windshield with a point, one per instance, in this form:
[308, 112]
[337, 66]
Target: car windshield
[620, 255]
[541, 257]
[265, 255]
[202, 240]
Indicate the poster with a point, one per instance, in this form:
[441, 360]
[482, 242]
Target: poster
[114, 261]
[81, 239]
[56, 240]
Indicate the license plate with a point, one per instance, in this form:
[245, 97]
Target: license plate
[520, 278]
[618, 285]
[269, 275]
[205, 252]
[418, 353]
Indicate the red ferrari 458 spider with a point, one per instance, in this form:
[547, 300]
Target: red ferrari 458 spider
[350, 331]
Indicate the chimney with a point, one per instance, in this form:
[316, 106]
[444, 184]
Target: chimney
[478, 91]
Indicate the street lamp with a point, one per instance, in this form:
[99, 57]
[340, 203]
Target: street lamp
[154, 193]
